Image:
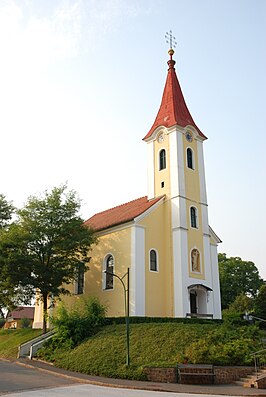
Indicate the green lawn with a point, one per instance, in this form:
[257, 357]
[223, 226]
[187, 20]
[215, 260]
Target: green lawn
[11, 339]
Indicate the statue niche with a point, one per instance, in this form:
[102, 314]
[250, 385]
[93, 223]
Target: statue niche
[195, 260]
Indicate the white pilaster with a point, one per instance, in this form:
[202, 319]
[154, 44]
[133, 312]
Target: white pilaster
[205, 220]
[208, 271]
[173, 164]
[179, 218]
[150, 158]
[177, 173]
[137, 272]
[180, 262]
[203, 194]
[215, 283]
[179, 222]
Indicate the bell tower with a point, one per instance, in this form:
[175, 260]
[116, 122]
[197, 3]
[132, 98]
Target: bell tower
[176, 171]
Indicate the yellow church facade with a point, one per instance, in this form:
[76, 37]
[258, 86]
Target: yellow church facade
[164, 238]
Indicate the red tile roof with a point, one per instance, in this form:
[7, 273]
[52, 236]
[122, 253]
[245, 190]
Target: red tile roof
[120, 214]
[173, 109]
[22, 312]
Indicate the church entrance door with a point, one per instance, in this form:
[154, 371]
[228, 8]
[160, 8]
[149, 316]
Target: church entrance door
[193, 302]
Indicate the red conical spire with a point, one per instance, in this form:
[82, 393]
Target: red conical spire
[173, 109]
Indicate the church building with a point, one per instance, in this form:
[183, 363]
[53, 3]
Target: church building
[164, 238]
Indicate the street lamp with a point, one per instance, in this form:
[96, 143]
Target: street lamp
[250, 317]
[126, 297]
[256, 355]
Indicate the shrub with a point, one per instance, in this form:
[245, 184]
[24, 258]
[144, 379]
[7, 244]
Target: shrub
[227, 345]
[234, 352]
[75, 324]
[25, 322]
[145, 320]
[233, 317]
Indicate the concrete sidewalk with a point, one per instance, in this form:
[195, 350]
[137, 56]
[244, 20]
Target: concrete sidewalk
[228, 390]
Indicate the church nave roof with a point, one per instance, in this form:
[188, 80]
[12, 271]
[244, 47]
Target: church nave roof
[121, 214]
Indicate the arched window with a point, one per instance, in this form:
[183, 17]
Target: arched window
[79, 282]
[153, 261]
[109, 268]
[195, 260]
[193, 217]
[190, 158]
[162, 160]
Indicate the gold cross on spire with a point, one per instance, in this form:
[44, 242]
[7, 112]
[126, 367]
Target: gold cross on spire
[170, 39]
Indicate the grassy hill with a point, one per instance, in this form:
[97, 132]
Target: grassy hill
[105, 353]
[158, 344]
[11, 339]
[151, 344]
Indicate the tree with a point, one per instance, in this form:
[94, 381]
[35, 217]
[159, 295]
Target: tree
[237, 277]
[14, 290]
[6, 211]
[48, 245]
[260, 303]
[242, 304]
[6, 290]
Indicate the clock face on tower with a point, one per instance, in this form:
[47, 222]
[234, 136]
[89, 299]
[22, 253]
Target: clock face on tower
[160, 138]
[189, 137]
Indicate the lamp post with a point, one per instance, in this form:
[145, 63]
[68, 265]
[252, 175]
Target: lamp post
[256, 355]
[250, 317]
[126, 298]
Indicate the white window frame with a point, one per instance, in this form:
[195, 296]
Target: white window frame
[104, 274]
[159, 159]
[193, 158]
[76, 285]
[197, 217]
[157, 261]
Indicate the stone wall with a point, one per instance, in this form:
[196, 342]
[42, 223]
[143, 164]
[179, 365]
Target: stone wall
[261, 382]
[222, 375]
[164, 375]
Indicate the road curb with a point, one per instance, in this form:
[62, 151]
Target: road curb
[93, 382]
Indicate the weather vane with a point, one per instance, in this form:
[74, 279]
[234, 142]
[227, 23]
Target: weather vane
[170, 39]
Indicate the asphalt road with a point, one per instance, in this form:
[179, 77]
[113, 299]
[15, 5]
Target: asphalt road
[99, 391]
[14, 377]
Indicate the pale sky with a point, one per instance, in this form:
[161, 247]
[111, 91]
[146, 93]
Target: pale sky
[81, 83]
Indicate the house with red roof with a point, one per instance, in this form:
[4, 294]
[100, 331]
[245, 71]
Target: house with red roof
[20, 317]
[163, 240]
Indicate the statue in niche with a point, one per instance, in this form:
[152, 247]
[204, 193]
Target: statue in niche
[195, 260]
